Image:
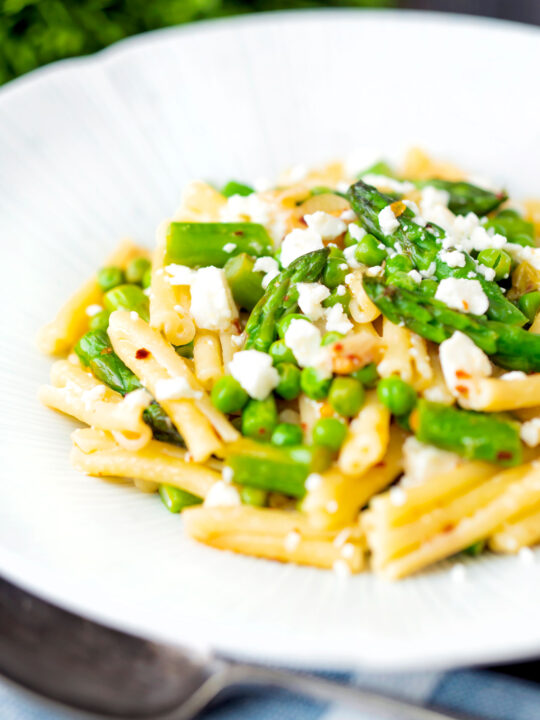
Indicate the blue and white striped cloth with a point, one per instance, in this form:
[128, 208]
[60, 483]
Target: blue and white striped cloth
[478, 693]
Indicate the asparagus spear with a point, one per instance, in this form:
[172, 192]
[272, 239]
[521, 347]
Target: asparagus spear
[281, 298]
[475, 436]
[202, 244]
[277, 469]
[95, 352]
[511, 346]
[422, 244]
[245, 284]
[465, 197]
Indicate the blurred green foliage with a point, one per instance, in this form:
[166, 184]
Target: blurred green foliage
[36, 32]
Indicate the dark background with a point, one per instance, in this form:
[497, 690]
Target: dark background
[36, 32]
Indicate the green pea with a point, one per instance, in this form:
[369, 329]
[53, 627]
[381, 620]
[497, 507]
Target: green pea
[367, 375]
[335, 270]
[314, 383]
[428, 287]
[109, 277]
[329, 432]
[399, 263]
[259, 418]
[331, 337]
[336, 297]
[175, 499]
[280, 353]
[349, 240]
[397, 395]
[346, 396]
[185, 351]
[283, 323]
[236, 188]
[369, 252]
[499, 260]
[530, 304]
[127, 297]
[287, 434]
[136, 269]
[99, 321]
[147, 278]
[402, 280]
[253, 496]
[228, 396]
[289, 381]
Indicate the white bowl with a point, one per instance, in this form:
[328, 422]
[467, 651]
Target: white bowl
[96, 148]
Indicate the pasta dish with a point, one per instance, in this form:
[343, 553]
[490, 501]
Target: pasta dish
[337, 369]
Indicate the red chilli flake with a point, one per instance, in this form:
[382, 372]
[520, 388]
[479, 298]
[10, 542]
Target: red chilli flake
[238, 233]
[504, 455]
[462, 375]
[462, 390]
[142, 354]
[106, 351]
[338, 347]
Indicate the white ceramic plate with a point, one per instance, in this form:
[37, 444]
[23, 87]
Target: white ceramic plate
[96, 148]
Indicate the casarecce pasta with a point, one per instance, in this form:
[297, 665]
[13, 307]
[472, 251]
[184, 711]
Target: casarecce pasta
[338, 371]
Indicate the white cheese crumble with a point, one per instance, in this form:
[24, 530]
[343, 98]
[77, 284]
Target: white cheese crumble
[179, 274]
[337, 320]
[388, 221]
[462, 360]
[313, 481]
[430, 271]
[348, 215]
[326, 225]
[352, 262]
[304, 339]
[487, 272]
[375, 271]
[299, 242]
[134, 315]
[415, 275]
[530, 432]
[212, 305]
[462, 294]
[520, 253]
[221, 494]
[175, 388]
[227, 474]
[453, 258]
[431, 198]
[421, 462]
[356, 232]
[347, 551]
[341, 290]
[229, 247]
[514, 375]
[255, 373]
[92, 310]
[269, 267]
[292, 540]
[310, 297]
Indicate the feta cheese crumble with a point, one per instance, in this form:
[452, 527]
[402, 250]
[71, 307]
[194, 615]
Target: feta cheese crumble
[337, 320]
[304, 339]
[356, 232]
[212, 305]
[461, 361]
[398, 496]
[415, 275]
[92, 310]
[453, 258]
[310, 297]
[299, 242]
[530, 432]
[255, 373]
[313, 481]
[269, 267]
[352, 262]
[222, 494]
[229, 247]
[388, 221]
[421, 462]
[462, 294]
[179, 274]
[175, 388]
[387, 183]
[326, 225]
